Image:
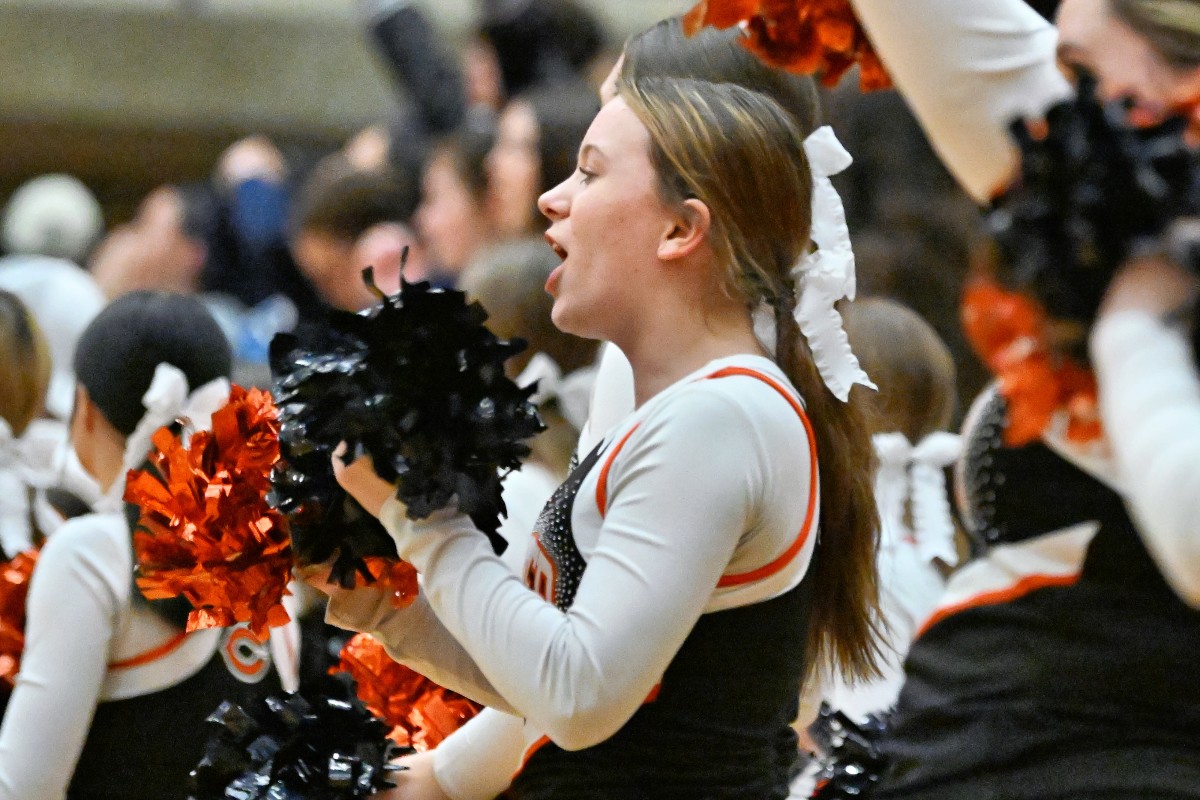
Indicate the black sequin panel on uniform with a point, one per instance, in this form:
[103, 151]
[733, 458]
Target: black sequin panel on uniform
[555, 565]
[1008, 498]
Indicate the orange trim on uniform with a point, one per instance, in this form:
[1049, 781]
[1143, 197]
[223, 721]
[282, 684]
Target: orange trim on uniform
[1026, 585]
[602, 482]
[810, 513]
[240, 635]
[154, 654]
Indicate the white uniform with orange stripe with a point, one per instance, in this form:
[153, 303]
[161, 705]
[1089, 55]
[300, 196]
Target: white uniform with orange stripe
[89, 643]
[703, 500]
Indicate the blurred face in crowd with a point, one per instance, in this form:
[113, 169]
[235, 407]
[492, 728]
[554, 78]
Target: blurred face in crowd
[481, 71]
[334, 265]
[514, 172]
[607, 220]
[150, 252]
[450, 220]
[1125, 63]
[326, 259]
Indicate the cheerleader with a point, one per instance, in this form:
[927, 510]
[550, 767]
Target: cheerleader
[112, 691]
[1062, 662]
[478, 762]
[675, 599]
[25, 370]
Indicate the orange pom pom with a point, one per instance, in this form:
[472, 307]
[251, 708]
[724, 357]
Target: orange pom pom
[14, 588]
[1008, 331]
[421, 712]
[804, 36]
[206, 531]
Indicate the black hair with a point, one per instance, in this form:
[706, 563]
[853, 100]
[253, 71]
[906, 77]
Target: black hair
[119, 351]
[547, 41]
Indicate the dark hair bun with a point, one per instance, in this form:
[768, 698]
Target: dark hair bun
[118, 353]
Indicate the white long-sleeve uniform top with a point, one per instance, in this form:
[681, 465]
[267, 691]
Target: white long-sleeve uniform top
[79, 620]
[714, 478]
[87, 642]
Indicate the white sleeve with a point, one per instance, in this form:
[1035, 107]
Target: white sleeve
[1150, 406]
[478, 760]
[967, 68]
[78, 587]
[580, 675]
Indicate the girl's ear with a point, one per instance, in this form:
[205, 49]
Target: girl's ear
[688, 230]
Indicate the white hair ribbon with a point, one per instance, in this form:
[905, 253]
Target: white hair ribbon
[16, 532]
[826, 275]
[27, 462]
[914, 477]
[166, 400]
[573, 391]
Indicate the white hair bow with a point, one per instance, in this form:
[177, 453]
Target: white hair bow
[166, 400]
[28, 463]
[825, 275]
[914, 477]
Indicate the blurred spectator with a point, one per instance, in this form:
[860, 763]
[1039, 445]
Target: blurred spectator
[452, 218]
[509, 280]
[345, 219]
[161, 248]
[539, 42]
[52, 215]
[537, 143]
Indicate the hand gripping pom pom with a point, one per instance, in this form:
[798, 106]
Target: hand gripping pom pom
[420, 712]
[417, 383]
[803, 36]
[312, 746]
[1091, 193]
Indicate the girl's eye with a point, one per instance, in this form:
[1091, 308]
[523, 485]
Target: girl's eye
[585, 176]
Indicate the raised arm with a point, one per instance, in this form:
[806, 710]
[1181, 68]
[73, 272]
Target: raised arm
[967, 68]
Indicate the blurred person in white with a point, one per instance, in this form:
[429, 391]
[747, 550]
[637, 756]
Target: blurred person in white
[50, 224]
[25, 375]
[345, 219]
[52, 215]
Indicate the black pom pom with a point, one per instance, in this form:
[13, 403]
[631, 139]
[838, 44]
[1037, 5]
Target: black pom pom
[1092, 192]
[324, 746]
[852, 764]
[417, 383]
